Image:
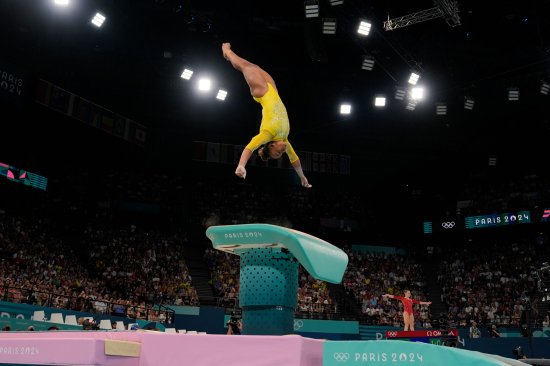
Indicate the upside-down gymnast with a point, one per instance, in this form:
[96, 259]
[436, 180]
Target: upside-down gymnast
[408, 317]
[272, 141]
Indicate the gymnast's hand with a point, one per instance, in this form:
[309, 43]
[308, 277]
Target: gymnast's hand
[305, 183]
[240, 172]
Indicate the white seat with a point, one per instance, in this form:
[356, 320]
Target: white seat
[170, 330]
[192, 332]
[183, 331]
[130, 325]
[57, 318]
[70, 320]
[39, 316]
[120, 325]
[202, 333]
[105, 324]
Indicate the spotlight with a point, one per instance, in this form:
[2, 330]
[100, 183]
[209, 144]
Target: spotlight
[221, 94]
[380, 101]
[417, 93]
[186, 74]
[336, 2]
[413, 79]
[204, 85]
[329, 26]
[441, 109]
[312, 8]
[513, 94]
[61, 2]
[98, 20]
[364, 28]
[368, 63]
[544, 87]
[400, 93]
[469, 103]
[345, 108]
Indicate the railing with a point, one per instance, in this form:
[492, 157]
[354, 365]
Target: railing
[149, 312]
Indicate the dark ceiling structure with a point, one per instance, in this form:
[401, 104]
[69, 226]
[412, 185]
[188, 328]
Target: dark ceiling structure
[132, 65]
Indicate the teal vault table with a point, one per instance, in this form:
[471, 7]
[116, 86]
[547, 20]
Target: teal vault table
[269, 258]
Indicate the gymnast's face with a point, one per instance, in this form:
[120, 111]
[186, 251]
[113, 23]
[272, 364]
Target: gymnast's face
[277, 149]
[407, 294]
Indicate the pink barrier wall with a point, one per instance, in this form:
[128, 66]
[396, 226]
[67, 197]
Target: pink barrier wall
[87, 348]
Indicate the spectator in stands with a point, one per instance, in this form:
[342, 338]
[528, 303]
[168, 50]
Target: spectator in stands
[474, 331]
[494, 332]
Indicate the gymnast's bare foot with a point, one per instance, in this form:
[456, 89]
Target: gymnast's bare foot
[226, 47]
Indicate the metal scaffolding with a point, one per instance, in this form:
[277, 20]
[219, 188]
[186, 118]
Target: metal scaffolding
[447, 9]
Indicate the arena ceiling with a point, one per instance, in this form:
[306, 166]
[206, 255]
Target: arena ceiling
[132, 66]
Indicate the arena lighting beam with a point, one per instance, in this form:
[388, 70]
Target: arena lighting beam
[269, 260]
[345, 108]
[447, 9]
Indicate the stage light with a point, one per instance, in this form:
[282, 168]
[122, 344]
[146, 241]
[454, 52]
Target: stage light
[413, 79]
[417, 93]
[544, 87]
[513, 94]
[186, 74]
[469, 103]
[336, 2]
[345, 108]
[221, 94]
[312, 8]
[368, 63]
[441, 109]
[98, 20]
[61, 2]
[329, 26]
[204, 85]
[411, 105]
[380, 101]
[400, 93]
[364, 28]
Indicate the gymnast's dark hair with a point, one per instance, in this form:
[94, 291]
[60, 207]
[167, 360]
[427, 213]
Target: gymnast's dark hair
[263, 152]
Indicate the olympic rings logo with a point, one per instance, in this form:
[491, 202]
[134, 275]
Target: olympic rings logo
[448, 225]
[341, 356]
[392, 334]
[298, 324]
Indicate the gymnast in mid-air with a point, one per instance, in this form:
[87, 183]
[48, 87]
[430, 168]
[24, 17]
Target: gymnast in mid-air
[272, 141]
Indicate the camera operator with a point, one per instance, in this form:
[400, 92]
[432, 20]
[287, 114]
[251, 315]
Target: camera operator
[234, 326]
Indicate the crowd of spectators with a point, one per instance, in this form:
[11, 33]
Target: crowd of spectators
[497, 194]
[370, 275]
[493, 283]
[69, 253]
[123, 273]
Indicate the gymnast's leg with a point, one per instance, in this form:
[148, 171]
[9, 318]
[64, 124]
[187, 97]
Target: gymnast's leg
[255, 77]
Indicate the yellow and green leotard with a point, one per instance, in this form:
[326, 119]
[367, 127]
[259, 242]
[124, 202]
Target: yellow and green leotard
[275, 125]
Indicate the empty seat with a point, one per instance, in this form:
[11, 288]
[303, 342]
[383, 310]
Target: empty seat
[39, 315]
[70, 320]
[120, 325]
[170, 330]
[57, 318]
[105, 324]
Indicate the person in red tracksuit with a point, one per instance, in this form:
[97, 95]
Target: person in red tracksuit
[408, 317]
